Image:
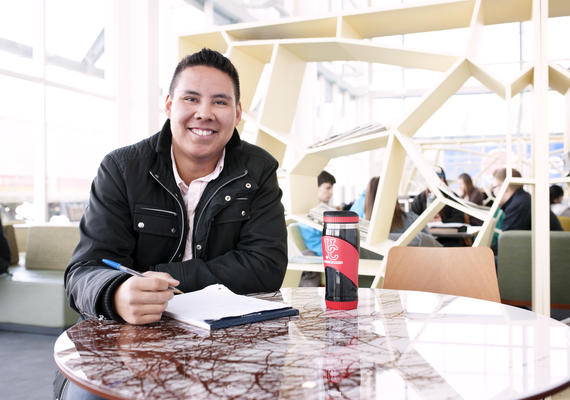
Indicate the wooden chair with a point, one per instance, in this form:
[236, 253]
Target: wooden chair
[460, 271]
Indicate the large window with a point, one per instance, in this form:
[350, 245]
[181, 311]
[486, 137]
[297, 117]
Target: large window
[56, 111]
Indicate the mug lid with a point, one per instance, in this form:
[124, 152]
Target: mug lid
[340, 216]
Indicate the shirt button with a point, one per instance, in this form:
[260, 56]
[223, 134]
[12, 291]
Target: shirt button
[228, 198]
[243, 213]
[173, 230]
[140, 225]
[248, 185]
[198, 247]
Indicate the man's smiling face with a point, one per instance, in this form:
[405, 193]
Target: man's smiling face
[203, 114]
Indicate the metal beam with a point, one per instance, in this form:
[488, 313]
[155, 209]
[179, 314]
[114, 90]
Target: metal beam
[86, 66]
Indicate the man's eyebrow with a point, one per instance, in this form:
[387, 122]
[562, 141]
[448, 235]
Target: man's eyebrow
[214, 96]
[222, 96]
[192, 92]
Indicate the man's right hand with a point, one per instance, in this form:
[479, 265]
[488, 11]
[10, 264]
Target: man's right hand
[142, 300]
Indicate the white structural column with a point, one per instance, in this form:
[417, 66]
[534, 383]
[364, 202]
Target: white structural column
[131, 47]
[40, 131]
[567, 127]
[540, 201]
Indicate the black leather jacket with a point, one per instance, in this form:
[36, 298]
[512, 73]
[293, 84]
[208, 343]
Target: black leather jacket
[136, 216]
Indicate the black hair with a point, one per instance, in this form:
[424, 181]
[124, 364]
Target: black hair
[555, 192]
[441, 174]
[209, 58]
[325, 177]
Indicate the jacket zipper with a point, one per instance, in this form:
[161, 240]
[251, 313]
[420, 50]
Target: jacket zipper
[159, 210]
[181, 211]
[210, 199]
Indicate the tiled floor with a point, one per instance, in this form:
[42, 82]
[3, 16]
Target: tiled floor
[27, 368]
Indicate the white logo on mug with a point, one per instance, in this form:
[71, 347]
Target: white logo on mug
[331, 248]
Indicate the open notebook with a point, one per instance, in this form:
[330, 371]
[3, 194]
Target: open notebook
[216, 307]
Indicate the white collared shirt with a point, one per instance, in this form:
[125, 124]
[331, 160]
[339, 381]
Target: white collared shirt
[191, 196]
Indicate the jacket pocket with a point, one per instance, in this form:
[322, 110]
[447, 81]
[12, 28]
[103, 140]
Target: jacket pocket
[236, 211]
[155, 220]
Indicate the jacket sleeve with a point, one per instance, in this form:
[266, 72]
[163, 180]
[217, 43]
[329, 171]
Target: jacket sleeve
[105, 232]
[259, 260]
[419, 203]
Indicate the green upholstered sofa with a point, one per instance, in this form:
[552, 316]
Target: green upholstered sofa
[515, 275]
[33, 295]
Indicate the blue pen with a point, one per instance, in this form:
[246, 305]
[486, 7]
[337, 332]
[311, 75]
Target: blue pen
[120, 267]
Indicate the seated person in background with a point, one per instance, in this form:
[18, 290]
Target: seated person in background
[447, 213]
[312, 236]
[400, 219]
[357, 205]
[557, 204]
[469, 192]
[4, 251]
[516, 204]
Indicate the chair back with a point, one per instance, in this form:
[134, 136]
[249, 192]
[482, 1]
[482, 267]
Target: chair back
[51, 246]
[460, 271]
[515, 268]
[564, 222]
[294, 233]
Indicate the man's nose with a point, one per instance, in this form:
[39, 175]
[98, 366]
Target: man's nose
[204, 111]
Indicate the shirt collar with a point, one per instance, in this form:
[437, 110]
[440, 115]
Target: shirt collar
[210, 177]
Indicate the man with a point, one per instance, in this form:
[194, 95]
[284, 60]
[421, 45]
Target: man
[516, 204]
[190, 206]
[312, 236]
[557, 203]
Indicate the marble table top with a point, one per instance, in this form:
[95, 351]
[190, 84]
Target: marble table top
[395, 345]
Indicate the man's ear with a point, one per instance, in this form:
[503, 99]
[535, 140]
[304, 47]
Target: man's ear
[238, 114]
[168, 105]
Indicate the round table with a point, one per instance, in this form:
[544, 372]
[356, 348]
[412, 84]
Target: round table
[396, 345]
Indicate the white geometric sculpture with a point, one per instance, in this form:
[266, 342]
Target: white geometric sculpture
[288, 45]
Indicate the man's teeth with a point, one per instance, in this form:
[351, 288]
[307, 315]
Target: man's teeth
[202, 132]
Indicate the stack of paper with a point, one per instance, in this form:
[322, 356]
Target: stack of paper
[217, 307]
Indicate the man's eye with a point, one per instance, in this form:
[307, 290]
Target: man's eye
[221, 102]
[192, 99]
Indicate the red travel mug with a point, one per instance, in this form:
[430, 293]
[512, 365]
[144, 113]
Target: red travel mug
[341, 247]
